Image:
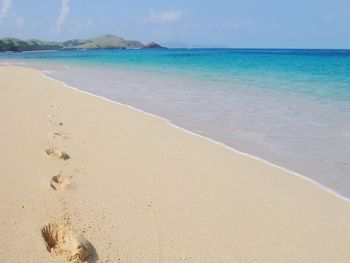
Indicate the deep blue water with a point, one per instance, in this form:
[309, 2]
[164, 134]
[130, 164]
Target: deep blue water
[290, 107]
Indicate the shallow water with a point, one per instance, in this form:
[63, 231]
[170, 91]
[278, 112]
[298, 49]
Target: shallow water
[291, 108]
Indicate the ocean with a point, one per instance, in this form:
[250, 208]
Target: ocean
[289, 107]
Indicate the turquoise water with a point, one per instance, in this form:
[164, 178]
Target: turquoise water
[312, 72]
[290, 107]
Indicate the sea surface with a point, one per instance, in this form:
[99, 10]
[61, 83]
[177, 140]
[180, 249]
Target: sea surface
[289, 107]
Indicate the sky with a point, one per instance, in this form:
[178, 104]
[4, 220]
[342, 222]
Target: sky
[227, 23]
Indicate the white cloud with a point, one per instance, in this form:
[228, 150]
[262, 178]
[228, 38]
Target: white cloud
[19, 21]
[168, 16]
[63, 15]
[5, 8]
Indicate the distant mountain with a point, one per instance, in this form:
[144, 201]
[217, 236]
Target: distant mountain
[103, 42]
[14, 44]
[153, 45]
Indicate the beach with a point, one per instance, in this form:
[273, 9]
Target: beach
[128, 187]
[285, 106]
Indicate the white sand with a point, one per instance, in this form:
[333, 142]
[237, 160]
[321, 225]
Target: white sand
[140, 190]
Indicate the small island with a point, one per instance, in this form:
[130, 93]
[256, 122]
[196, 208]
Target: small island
[102, 42]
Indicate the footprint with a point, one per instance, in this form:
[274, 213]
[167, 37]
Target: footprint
[60, 135]
[54, 122]
[54, 152]
[61, 240]
[59, 182]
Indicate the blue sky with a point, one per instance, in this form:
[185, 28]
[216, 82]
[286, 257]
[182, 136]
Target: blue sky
[232, 23]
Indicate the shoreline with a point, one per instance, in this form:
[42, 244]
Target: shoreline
[128, 186]
[170, 123]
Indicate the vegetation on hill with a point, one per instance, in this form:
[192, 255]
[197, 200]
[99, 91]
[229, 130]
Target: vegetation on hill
[14, 44]
[103, 42]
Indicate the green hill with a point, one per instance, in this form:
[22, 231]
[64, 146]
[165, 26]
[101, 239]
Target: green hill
[103, 42]
[14, 44]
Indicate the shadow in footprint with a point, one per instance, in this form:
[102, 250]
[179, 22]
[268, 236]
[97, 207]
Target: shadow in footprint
[56, 123]
[59, 182]
[54, 152]
[94, 256]
[61, 240]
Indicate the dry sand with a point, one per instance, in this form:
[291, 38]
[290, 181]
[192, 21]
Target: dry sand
[136, 189]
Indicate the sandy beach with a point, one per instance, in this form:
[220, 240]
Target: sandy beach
[84, 179]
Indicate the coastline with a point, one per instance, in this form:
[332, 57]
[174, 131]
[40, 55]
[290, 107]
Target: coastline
[143, 191]
[170, 123]
[300, 132]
